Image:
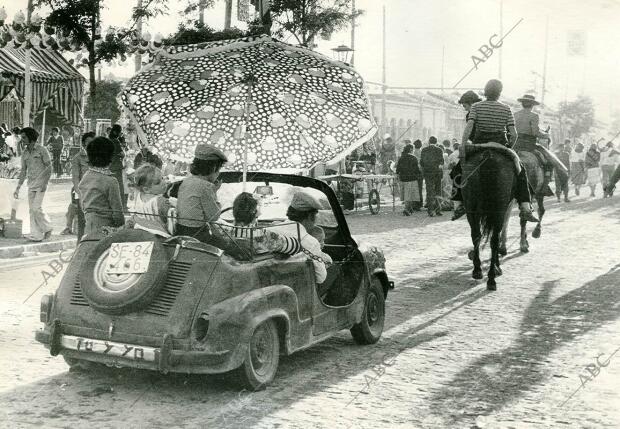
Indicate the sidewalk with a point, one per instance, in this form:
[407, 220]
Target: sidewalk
[55, 205]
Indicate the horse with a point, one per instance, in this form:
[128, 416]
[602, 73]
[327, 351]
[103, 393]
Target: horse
[487, 187]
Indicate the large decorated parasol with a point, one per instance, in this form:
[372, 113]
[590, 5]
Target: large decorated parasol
[266, 104]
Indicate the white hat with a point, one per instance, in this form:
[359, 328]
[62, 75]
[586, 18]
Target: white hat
[387, 136]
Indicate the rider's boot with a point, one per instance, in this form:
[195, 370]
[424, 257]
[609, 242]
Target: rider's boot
[526, 212]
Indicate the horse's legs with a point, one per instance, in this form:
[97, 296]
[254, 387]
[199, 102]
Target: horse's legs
[494, 270]
[524, 245]
[541, 212]
[504, 236]
[476, 236]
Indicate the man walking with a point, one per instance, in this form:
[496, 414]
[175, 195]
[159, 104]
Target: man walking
[37, 167]
[79, 167]
[55, 144]
[432, 163]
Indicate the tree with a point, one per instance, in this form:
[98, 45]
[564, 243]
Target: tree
[306, 19]
[103, 104]
[79, 25]
[579, 115]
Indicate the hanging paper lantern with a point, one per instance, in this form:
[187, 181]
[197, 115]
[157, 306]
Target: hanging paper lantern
[19, 18]
[49, 30]
[157, 40]
[2, 16]
[35, 40]
[35, 23]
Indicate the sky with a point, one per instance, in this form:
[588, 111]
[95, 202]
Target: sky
[419, 32]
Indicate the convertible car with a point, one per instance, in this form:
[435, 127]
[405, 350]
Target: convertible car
[133, 299]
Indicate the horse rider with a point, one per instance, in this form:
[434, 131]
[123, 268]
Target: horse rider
[526, 124]
[489, 121]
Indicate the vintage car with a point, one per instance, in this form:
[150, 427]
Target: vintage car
[132, 299]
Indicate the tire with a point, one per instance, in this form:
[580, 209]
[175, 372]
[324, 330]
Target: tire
[262, 357]
[122, 293]
[369, 330]
[374, 201]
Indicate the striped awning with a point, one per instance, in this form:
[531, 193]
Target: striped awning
[56, 84]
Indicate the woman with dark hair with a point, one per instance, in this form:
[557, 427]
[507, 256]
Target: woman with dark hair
[577, 167]
[593, 158]
[55, 145]
[408, 174]
[98, 189]
[197, 203]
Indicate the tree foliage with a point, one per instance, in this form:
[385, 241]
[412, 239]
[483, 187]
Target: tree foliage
[79, 24]
[103, 104]
[307, 19]
[579, 114]
[202, 33]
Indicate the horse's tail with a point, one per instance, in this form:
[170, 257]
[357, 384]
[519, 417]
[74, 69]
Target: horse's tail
[495, 193]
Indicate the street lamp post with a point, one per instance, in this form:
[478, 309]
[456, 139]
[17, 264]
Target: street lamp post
[342, 53]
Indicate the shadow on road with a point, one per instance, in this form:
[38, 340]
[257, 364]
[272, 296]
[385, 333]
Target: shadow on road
[498, 379]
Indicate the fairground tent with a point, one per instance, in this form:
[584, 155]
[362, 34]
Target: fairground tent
[56, 84]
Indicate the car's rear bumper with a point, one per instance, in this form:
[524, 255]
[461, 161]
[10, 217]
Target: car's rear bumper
[163, 358]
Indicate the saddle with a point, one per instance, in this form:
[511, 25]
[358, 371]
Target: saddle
[471, 149]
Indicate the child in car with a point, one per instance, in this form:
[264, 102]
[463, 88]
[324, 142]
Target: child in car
[318, 233]
[149, 205]
[98, 189]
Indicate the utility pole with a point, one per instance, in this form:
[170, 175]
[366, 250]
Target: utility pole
[501, 34]
[353, 33]
[443, 59]
[383, 86]
[544, 76]
[27, 80]
[137, 56]
[228, 17]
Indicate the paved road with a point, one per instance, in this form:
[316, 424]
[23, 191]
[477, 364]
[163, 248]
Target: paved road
[452, 355]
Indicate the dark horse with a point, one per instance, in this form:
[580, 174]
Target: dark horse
[489, 181]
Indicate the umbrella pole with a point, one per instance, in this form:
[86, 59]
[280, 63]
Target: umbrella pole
[246, 120]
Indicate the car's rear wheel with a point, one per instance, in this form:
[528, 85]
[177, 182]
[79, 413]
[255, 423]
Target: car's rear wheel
[262, 357]
[369, 330]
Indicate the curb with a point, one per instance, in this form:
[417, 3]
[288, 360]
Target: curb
[11, 252]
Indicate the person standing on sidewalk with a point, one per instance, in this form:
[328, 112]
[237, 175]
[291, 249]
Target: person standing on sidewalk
[37, 168]
[79, 167]
[432, 163]
[561, 180]
[593, 158]
[55, 144]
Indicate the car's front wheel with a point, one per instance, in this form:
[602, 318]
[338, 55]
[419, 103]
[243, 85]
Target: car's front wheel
[369, 330]
[262, 357]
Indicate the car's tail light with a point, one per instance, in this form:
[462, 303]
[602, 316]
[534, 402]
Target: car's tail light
[46, 307]
[201, 327]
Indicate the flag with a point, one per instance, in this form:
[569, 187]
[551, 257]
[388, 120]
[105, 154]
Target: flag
[576, 43]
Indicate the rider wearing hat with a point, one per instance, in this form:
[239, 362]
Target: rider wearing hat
[526, 124]
[488, 121]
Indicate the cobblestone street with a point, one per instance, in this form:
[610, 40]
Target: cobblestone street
[540, 352]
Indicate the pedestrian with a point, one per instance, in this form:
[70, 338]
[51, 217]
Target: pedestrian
[409, 173]
[432, 163]
[72, 212]
[116, 167]
[387, 153]
[79, 167]
[417, 152]
[577, 167]
[99, 191]
[453, 158]
[37, 167]
[55, 145]
[592, 164]
[561, 180]
[149, 202]
[13, 140]
[446, 147]
[609, 159]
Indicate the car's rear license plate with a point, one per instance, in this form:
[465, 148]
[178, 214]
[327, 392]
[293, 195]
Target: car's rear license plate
[129, 257]
[126, 351]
